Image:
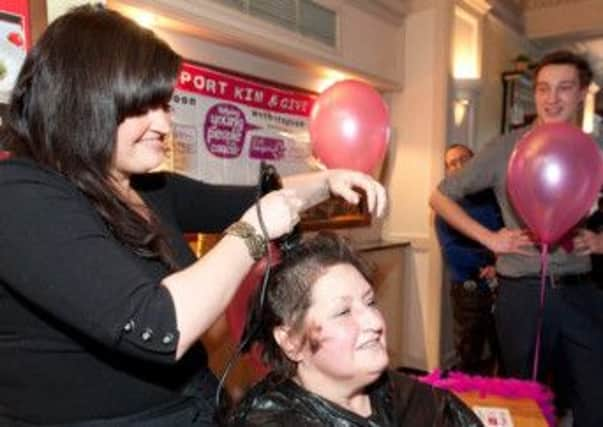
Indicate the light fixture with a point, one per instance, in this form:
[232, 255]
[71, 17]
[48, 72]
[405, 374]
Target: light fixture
[145, 19]
[330, 78]
[466, 46]
[460, 111]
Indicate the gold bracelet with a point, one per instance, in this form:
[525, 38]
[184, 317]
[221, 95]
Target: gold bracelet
[256, 244]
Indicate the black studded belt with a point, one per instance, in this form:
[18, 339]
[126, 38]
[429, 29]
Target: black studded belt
[555, 280]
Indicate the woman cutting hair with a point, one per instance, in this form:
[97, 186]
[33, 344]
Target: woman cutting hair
[323, 336]
[102, 302]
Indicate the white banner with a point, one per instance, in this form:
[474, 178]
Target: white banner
[225, 125]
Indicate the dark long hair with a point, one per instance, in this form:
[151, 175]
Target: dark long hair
[288, 294]
[91, 69]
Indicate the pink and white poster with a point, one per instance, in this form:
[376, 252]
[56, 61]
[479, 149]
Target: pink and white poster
[225, 125]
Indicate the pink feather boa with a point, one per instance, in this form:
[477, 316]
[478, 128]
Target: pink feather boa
[505, 387]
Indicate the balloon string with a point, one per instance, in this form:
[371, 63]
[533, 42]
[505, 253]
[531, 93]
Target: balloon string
[544, 261]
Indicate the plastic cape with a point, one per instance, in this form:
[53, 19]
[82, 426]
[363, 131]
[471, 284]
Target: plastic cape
[396, 400]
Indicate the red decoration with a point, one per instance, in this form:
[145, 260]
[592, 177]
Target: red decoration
[15, 38]
[236, 312]
[553, 178]
[349, 126]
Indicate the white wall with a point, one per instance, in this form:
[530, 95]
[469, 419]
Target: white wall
[209, 53]
[501, 46]
[58, 7]
[419, 124]
[360, 52]
[371, 45]
[560, 18]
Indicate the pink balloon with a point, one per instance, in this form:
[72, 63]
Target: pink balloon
[349, 126]
[553, 177]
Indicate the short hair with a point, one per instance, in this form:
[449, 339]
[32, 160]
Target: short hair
[565, 57]
[288, 294]
[453, 146]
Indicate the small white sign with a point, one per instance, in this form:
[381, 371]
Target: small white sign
[494, 417]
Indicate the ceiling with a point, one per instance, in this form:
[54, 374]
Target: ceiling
[553, 24]
[576, 25]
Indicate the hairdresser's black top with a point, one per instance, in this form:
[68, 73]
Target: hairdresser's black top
[396, 400]
[86, 329]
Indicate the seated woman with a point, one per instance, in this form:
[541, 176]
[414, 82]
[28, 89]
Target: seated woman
[324, 339]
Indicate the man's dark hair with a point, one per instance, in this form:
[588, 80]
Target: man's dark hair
[453, 146]
[565, 57]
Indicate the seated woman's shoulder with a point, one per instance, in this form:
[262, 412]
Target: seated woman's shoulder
[421, 404]
[272, 404]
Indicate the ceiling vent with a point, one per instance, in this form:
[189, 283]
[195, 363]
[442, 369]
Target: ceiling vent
[304, 17]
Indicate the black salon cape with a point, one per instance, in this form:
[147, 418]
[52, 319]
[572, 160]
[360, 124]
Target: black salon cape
[396, 399]
[87, 331]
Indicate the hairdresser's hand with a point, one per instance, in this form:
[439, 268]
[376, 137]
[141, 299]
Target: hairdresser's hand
[342, 181]
[279, 212]
[587, 242]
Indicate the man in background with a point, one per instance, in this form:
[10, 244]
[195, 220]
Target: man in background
[470, 267]
[571, 319]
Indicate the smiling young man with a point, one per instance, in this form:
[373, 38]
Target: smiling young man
[572, 326]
